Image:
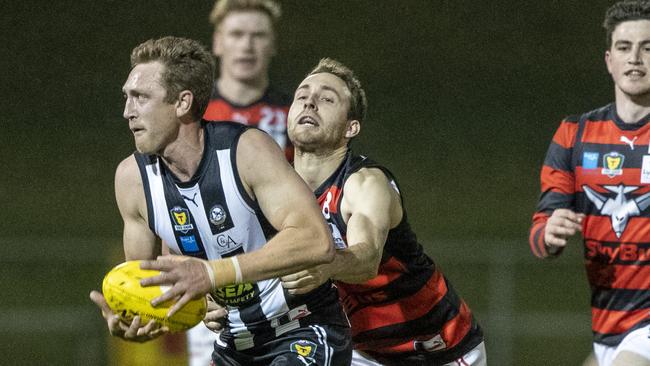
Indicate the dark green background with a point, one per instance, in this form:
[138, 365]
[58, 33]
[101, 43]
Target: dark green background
[464, 98]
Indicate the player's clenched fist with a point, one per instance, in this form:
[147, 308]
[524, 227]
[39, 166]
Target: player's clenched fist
[562, 224]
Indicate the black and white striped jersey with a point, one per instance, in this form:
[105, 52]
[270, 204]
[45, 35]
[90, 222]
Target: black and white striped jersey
[211, 216]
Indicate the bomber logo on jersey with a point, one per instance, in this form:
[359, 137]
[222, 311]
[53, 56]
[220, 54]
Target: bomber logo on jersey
[236, 295]
[181, 218]
[613, 164]
[304, 348]
[590, 160]
[217, 215]
[619, 208]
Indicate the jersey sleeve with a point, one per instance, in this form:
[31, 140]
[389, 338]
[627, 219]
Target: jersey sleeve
[557, 184]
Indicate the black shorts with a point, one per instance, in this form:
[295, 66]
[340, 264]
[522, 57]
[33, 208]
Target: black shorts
[317, 345]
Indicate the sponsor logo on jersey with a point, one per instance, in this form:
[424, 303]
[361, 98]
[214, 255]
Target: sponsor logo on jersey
[235, 295]
[181, 218]
[217, 215]
[189, 244]
[590, 160]
[613, 164]
[645, 170]
[304, 348]
[434, 344]
[226, 244]
[619, 208]
[626, 140]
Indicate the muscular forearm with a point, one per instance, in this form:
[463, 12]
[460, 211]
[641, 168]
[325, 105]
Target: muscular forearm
[355, 264]
[290, 251]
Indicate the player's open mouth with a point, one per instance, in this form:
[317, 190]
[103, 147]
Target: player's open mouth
[637, 73]
[307, 120]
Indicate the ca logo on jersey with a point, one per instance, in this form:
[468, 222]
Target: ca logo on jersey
[613, 164]
[619, 208]
[181, 218]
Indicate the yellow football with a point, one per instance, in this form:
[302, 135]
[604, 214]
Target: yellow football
[125, 296]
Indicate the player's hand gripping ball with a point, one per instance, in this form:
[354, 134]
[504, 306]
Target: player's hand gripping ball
[125, 296]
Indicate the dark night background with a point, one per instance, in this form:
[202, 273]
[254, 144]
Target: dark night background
[464, 99]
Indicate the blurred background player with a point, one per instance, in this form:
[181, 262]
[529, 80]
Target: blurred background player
[403, 311]
[244, 41]
[596, 180]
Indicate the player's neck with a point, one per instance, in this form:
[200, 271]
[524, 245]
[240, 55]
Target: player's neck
[314, 167]
[632, 109]
[183, 156]
[242, 92]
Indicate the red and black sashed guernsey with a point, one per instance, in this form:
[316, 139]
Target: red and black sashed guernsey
[600, 166]
[269, 114]
[409, 307]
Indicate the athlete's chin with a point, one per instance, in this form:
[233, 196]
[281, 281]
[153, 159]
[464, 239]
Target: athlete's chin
[144, 148]
[636, 91]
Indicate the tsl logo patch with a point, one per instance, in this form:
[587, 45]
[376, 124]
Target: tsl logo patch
[304, 348]
[613, 164]
[181, 219]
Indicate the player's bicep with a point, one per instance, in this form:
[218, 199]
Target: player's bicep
[373, 207]
[139, 241]
[281, 193]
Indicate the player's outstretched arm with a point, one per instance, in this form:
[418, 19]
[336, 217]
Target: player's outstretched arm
[303, 239]
[371, 207]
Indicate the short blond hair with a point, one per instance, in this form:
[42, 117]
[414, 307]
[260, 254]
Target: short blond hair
[358, 100]
[224, 7]
[188, 66]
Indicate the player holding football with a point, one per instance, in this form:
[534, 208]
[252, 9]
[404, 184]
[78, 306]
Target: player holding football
[596, 180]
[244, 41]
[222, 195]
[402, 309]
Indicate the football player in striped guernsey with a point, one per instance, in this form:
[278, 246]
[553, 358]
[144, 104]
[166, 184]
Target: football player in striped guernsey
[596, 181]
[222, 197]
[402, 309]
[244, 41]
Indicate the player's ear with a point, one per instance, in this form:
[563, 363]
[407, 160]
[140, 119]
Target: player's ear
[217, 49]
[607, 61]
[354, 127]
[184, 103]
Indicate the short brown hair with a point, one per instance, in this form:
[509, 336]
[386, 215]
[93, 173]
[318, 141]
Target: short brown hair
[358, 100]
[188, 66]
[223, 7]
[624, 11]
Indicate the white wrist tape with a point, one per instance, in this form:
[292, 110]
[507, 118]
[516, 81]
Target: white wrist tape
[208, 267]
[235, 263]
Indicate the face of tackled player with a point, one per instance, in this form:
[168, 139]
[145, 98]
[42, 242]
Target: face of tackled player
[245, 44]
[628, 59]
[318, 116]
[152, 120]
